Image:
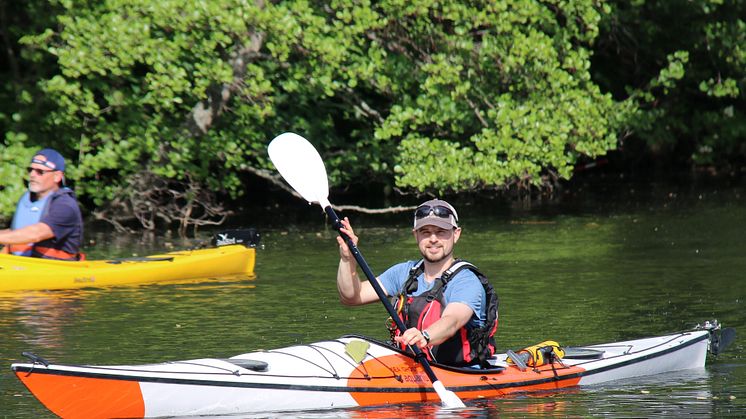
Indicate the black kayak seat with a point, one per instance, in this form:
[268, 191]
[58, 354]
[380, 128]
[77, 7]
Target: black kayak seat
[249, 364]
[582, 353]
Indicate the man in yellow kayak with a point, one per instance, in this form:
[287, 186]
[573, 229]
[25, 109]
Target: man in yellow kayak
[448, 306]
[47, 222]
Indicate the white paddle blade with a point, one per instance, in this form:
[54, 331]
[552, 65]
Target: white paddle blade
[448, 399]
[301, 166]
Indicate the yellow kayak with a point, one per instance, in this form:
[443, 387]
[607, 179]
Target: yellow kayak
[26, 273]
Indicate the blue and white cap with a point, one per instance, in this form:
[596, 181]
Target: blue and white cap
[49, 158]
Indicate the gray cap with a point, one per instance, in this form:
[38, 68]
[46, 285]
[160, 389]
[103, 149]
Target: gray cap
[428, 208]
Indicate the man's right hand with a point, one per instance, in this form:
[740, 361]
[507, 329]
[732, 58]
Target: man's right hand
[352, 291]
[344, 251]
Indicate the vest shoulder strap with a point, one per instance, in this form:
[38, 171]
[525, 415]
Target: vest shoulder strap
[410, 285]
[417, 269]
[457, 266]
[492, 298]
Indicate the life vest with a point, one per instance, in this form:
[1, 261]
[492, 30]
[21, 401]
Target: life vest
[469, 346]
[31, 212]
[27, 212]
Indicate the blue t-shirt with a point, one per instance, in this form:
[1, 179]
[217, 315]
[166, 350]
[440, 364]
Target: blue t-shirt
[464, 288]
[66, 222]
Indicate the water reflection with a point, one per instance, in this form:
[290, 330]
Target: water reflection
[531, 405]
[481, 409]
[676, 394]
[38, 318]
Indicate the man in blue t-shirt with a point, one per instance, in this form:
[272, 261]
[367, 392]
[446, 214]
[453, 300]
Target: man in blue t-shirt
[464, 300]
[47, 222]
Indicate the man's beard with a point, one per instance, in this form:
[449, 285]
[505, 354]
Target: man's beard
[428, 257]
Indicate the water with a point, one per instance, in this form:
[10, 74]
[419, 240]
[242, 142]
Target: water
[587, 271]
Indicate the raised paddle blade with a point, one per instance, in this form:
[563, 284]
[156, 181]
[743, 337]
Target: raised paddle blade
[301, 166]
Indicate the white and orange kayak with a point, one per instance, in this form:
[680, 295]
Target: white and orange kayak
[234, 254]
[347, 372]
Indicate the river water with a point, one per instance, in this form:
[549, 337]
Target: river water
[593, 268]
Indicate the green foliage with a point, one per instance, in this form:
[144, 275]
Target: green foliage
[130, 74]
[496, 94]
[14, 158]
[423, 95]
[693, 109]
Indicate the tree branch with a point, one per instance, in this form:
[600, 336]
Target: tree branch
[273, 179]
[364, 210]
[277, 181]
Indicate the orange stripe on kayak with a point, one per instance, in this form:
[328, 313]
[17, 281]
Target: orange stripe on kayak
[79, 397]
[493, 384]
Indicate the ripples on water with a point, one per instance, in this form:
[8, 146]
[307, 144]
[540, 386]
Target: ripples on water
[578, 277]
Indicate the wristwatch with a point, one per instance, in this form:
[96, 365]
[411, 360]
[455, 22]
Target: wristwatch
[426, 336]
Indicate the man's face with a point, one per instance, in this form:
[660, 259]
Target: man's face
[41, 179]
[435, 243]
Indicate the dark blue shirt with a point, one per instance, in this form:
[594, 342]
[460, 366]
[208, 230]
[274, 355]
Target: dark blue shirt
[64, 218]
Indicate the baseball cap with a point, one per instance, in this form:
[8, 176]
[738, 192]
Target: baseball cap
[50, 159]
[435, 212]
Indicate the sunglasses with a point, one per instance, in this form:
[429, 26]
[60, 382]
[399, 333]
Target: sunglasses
[438, 211]
[39, 172]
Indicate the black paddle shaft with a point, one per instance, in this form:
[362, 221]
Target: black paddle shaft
[376, 286]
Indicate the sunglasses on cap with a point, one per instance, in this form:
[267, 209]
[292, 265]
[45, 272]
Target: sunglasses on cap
[437, 210]
[45, 163]
[39, 172]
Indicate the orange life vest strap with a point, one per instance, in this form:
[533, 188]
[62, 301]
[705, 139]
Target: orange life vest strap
[19, 247]
[55, 253]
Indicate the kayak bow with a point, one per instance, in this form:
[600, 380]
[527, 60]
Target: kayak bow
[327, 374]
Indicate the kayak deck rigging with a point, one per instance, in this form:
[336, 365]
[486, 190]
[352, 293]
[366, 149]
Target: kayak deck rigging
[324, 374]
[261, 368]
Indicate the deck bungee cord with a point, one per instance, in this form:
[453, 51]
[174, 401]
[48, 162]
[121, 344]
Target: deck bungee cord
[325, 353]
